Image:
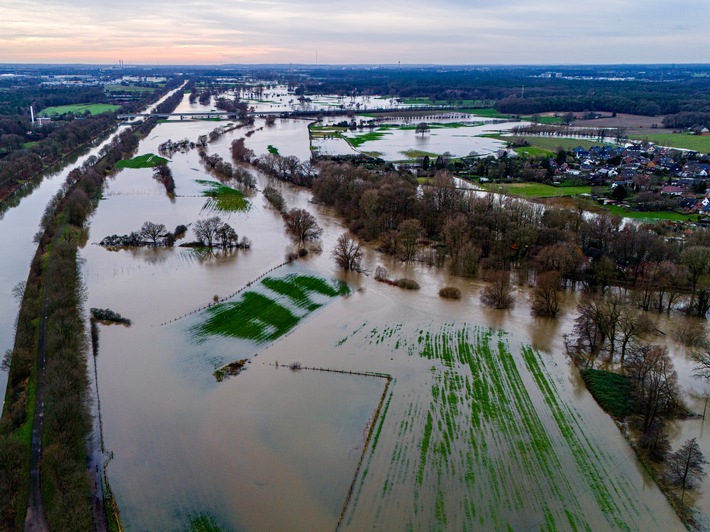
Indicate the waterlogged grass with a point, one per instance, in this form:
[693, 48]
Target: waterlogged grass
[262, 318]
[359, 140]
[80, 109]
[610, 390]
[272, 149]
[222, 197]
[204, 523]
[147, 160]
[417, 154]
[489, 442]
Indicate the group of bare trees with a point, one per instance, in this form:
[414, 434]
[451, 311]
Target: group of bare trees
[213, 232]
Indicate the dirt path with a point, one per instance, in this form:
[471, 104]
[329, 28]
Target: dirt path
[35, 520]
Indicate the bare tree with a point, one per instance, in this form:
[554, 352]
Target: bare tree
[684, 467]
[302, 225]
[347, 253]
[152, 231]
[498, 293]
[545, 296]
[409, 232]
[422, 127]
[227, 236]
[654, 384]
[702, 364]
[632, 325]
[240, 152]
[206, 230]
[697, 260]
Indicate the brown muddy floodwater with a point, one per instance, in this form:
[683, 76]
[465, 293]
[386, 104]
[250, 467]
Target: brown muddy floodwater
[469, 436]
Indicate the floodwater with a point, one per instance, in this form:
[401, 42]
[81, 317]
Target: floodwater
[398, 144]
[273, 449]
[19, 225]
[276, 449]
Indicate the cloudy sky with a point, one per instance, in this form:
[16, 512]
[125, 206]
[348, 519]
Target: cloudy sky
[363, 31]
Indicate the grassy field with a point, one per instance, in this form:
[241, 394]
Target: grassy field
[127, 88]
[263, 318]
[655, 215]
[489, 443]
[359, 140]
[326, 131]
[697, 143]
[80, 109]
[537, 190]
[223, 198]
[147, 160]
[610, 390]
[416, 154]
[551, 144]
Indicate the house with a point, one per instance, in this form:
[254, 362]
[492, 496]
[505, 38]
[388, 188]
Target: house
[672, 190]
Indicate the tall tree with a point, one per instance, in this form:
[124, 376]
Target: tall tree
[206, 230]
[545, 296]
[347, 253]
[302, 225]
[697, 260]
[422, 127]
[409, 232]
[498, 293]
[152, 231]
[684, 467]
[654, 384]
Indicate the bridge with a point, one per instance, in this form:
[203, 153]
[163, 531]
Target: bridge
[295, 113]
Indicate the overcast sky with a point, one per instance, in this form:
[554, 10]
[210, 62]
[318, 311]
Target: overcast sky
[362, 31]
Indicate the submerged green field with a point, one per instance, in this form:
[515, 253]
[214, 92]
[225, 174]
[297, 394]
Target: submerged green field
[265, 315]
[147, 160]
[222, 197]
[489, 443]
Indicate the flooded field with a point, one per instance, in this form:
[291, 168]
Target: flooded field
[484, 424]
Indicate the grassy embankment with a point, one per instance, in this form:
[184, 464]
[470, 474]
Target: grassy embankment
[80, 109]
[148, 160]
[223, 198]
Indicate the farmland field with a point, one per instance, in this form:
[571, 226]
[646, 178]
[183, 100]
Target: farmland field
[697, 143]
[223, 198]
[552, 144]
[80, 109]
[538, 190]
[490, 443]
[147, 160]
